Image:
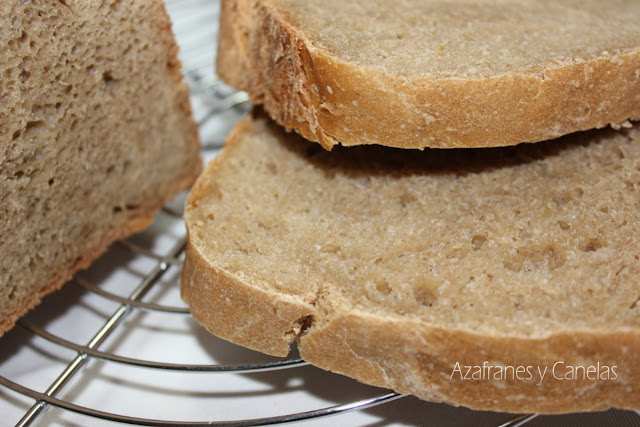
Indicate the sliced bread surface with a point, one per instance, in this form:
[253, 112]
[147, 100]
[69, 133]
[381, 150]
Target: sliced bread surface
[435, 73]
[96, 134]
[392, 266]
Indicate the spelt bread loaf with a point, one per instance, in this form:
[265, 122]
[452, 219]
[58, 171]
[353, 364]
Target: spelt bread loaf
[435, 73]
[391, 266]
[95, 135]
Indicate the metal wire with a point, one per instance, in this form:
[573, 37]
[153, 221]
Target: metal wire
[148, 253]
[76, 364]
[129, 301]
[519, 420]
[86, 350]
[202, 83]
[90, 350]
[280, 419]
[197, 70]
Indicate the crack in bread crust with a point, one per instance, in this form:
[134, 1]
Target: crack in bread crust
[391, 266]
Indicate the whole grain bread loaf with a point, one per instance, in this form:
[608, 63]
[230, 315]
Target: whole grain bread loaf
[403, 268]
[433, 73]
[95, 135]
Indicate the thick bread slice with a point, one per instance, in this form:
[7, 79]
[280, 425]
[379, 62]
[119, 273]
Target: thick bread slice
[434, 73]
[391, 265]
[95, 135]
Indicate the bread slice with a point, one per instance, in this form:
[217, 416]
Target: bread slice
[391, 266]
[95, 135]
[429, 73]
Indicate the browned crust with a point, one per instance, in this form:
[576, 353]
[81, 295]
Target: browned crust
[400, 353]
[140, 220]
[262, 52]
[203, 285]
[265, 322]
[412, 357]
[134, 224]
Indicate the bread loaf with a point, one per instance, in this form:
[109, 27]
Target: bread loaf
[96, 134]
[433, 73]
[403, 268]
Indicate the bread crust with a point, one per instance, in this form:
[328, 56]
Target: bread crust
[411, 357]
[331, 101]
[214, 295]
[400, 352]
[136, 223]
[139, 216]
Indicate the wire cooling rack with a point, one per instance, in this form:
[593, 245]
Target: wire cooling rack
[117, 346]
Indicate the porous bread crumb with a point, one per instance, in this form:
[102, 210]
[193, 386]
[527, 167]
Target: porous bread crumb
[493, 73]
[95, 135]
[530, 248]
[518, 36]
[512, 231]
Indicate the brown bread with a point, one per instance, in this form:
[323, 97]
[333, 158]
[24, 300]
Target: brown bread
[96, 134]
[391, 265]
[433, 73]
